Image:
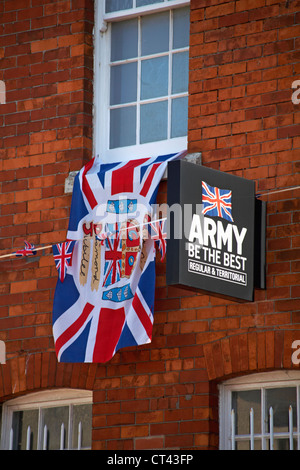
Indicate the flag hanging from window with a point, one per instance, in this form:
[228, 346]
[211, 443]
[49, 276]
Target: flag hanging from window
[106, 301]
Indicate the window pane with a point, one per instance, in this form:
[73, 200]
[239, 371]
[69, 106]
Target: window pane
[82, 414]
[181, 28]
[53, 418]
[123, 83]
[154, 78]
[124, 40]
[245, 445]
[180, 72]
[242, 402]
[283, 444]
[123, 127]
[20, 422]
[179, 117]
[140, 3]
[280, 399]
[155, 33]
[116, 5]
[154, 118]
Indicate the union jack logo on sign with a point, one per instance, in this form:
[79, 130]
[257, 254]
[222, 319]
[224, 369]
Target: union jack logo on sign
[216, 202]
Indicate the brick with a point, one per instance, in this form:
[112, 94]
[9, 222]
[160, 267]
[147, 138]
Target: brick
[216, 131]
[206, 25]
[17, 118]
[288, 305]
[134, 431]
[242, 5]
[261, 136]
[233, 19]
[261, 38]
[16, 73]
[290, 131]
[217, 83]
[217, 59]
[24, 286]
[278, 22]
[268, 62]
[56, 145]
[200, 98]
[231, 141]
[44, 45]
[279, 47]
[288, 279]
[246, 126]
[263, 12]
[204, 49]
[247, 53]
[145, 443]
[28, 195]
[232, 69]
[260, 112]
[219, 10]
[290, 32]
[231, 93]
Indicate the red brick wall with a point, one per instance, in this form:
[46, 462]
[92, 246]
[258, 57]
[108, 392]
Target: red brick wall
[46, 132]
[244, 58]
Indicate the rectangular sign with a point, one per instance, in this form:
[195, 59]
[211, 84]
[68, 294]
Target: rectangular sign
[211, 231]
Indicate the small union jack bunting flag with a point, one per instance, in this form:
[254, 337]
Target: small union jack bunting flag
[62, 254]
[216, 202]
[28, 250]
[159, 235]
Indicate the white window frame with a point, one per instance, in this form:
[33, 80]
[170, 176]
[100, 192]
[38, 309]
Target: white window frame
[39, 400]
[263, 381]
[102, 40]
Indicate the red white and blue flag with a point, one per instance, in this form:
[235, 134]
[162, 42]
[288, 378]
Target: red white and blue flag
[158, 232]
[62, 254]
[216, 202]
[106, 301]
[28, 250]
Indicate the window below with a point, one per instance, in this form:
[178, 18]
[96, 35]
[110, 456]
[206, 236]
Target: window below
[261, 412]
[49, 420]
[141, 79]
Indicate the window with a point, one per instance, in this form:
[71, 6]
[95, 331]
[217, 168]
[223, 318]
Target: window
[49, 420]
[141, 78]
[261, 412]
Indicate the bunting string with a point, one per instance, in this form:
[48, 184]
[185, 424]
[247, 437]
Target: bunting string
[30, 250]
[267, 193]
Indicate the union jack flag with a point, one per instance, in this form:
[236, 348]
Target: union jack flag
[28, 250]
[216, 202]
[113, 257]
[106, 301]
[159, 235]
[62, 254]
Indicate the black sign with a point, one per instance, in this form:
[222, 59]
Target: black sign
[215, 226]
